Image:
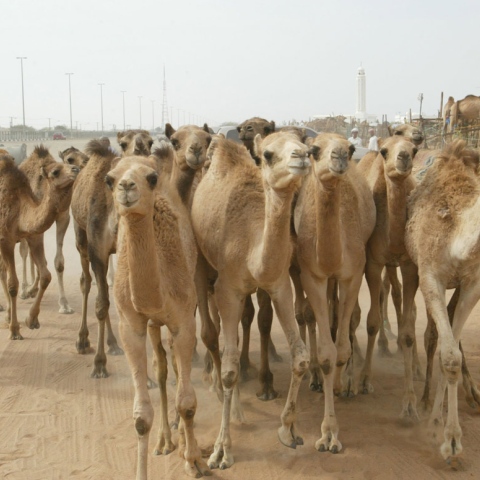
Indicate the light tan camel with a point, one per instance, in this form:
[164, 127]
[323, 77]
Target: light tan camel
[442, 238]
[249, 210]
[334, 218]
[154, 286]
[390, 181]
[95, 222]
[464, 112]
[74, 157]
[23, 215]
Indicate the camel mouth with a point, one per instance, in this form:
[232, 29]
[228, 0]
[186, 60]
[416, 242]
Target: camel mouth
[195, 164]
[299, 167]
[338, 172]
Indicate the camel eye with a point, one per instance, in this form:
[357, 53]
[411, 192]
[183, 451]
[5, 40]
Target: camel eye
[71, 160]
[124, 145]
[268, 156]
[152, 179]
[150, 143]
[175, 143]
[56, 172]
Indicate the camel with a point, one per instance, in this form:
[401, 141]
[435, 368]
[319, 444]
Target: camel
[249, 210]
[249, 129]
[464, 112]
[441, 237]
[154, 286]
[95, 223]
[390, 181]
[70, 156]
[24, 215]
[334, 217]
[446, 114]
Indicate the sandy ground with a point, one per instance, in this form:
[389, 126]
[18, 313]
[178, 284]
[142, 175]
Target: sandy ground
[58, 423]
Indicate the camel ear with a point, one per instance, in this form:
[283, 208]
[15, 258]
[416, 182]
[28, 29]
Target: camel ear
[314, 152]
[120, 135]
[308, 141]
[270, 128]
[169, 130]
[257, 142]
[415, 150]
[60, 154]
[115, 162]
[152, 179]
[205, 128]
[239, 128]
[384, 152]
[43, 172]
[351, 151]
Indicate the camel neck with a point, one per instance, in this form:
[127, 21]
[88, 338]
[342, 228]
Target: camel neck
[182, 180]
[39, 217]
[397, 214]
[142, 262]
[328, 231]
[273, 257]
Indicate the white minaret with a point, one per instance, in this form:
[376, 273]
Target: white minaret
[361, 111]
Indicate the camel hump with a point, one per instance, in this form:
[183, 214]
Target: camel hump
[97, 147]
[41, 151]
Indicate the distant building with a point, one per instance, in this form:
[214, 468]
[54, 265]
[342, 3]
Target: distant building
[361, 106]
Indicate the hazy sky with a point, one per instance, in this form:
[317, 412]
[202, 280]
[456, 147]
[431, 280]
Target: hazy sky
[231, 60]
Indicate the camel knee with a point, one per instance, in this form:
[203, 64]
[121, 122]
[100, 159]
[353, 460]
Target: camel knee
[300, 361]
[45, 280]
[186, 405]
[327, 359]
[343, 354]
[229, 377]
[406, 339]
[101, 309]
[210, 338]
[59, 265]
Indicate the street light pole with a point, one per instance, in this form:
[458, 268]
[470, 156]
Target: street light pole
[101, 101]
[70, 97]
[23, 96]
[140, 104]
[123, 101]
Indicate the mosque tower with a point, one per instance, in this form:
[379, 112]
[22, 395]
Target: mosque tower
[361, 111]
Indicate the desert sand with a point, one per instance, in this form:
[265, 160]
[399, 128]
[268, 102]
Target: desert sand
[58, 423]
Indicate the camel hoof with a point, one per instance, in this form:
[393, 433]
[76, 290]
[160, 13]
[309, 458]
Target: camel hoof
[32, 323]
[316, 387]
[99, 372]
[334, 449]
[115, 350]
[16, 336]
[267, 394]
[82, 346]
[32, 293]
[367, 388]
[288, 438]
[66, 310]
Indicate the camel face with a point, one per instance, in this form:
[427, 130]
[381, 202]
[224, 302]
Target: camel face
[191, 144]
[73, 156]
[252, 127]
[331, 154]
[398, 154]
[410, 132]
[133, 182]
[61, 175]
[284, 159]
[135, 142]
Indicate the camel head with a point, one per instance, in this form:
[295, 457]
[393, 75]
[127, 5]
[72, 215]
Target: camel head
[284, 159]
[398, 154]
[190, 144]
[249, 129]
[331, 155]
[73, 156]
[410, 132]
[135, 142]
[133, 182]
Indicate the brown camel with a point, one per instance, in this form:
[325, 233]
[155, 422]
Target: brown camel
[249, 129]
[334, 218]
[24, 215]
[74, 157]
[249, 210]
[464, 112]
[154, 286]
[95, 222]
[390, 181]
[442, 239]
[446, 114]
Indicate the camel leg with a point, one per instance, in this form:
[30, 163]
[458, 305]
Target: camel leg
[247, 370]
[164, 443]
[373, 275]
[102, 305]
[62, 224]
[24, 256]
[230, 306]
[83, 343]
[111, 270]
[265, 318]
[347, 301]
[406, 336]
[209, 332]
[186, 402]
[450, 355]
[7, 253]
[3, 280]
[133, 333]
[305, 318]
[282, 299]
[316, 290]
[430, 343]
[389, 279]
[37, 251]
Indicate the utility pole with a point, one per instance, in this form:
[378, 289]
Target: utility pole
[23, 96]
[70, 96]
[164, 104]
